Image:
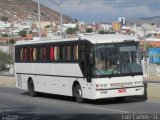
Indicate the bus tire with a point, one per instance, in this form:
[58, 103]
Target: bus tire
[31, 89]
[78, 93]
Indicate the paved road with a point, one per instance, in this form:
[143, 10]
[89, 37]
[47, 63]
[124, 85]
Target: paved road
[17, 104]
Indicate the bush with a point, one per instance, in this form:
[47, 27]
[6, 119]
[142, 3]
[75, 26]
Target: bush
[47, 26]
[71, 30]
[4, 18]
[5, 35]
[5, 59]
[89, 30]
[101, 32]
[22, 33]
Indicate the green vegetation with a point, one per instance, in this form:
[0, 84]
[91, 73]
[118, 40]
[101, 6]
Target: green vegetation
[22, 33]
[47, 26]
[71, 30]
[35, 11]
[5, 35]
[147, 46]
[5, 59]
[4, 18]
[106, 32]
[89, 30]
[12, 41]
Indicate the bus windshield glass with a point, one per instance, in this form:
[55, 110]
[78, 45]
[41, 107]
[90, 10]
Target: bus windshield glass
[117, 59]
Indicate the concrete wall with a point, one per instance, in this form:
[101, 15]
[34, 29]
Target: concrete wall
[7, 81]
[153, 91]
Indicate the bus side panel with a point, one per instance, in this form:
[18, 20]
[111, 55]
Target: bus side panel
[24, 68]
[67, 69]
[22, 81]
[53, 85]
[43, 69]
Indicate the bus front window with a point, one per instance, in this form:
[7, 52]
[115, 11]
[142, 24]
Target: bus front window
[117, 59]
[130, 61]
[106, 60]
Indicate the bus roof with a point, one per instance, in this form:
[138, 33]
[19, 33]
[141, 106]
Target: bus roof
[93, 38]
[108, 38]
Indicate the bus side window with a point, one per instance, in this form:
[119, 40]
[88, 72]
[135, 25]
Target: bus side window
[34, 54]
[51, 53]
[21, 54]
[17, 55]
[38, 54]
[31, 54]
[69, 56]
[75, 52]
[41, 54]
[44, 54]
[25, 54]
[64, 53]
[58, 53]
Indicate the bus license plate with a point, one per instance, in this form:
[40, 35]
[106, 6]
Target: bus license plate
[121, 90]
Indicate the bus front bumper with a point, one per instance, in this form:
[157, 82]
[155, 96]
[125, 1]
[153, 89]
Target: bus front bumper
[119, 92]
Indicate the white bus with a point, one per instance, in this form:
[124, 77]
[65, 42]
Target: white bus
[89, 67]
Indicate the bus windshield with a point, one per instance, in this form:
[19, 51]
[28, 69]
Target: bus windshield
[117, 59]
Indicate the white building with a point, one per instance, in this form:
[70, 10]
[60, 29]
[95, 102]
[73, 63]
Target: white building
[122, 20]
[106, 27]
[23, 25]
[69, 25]
[4, 25]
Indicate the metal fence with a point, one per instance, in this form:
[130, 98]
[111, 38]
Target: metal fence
[151, 71]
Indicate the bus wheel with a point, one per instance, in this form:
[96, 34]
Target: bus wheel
[31, 89]
[78, 93]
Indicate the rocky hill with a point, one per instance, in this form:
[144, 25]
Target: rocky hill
[17, 10]
[150, 20]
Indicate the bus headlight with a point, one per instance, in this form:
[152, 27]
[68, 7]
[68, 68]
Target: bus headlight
[138, 83]
[101, 85]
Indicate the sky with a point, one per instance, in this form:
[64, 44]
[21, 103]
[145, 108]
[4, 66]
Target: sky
[105, 10]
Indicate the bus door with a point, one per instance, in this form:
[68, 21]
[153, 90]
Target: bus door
[85, 62]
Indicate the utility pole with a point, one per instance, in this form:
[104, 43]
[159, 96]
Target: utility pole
[61, 19]
[39, 19]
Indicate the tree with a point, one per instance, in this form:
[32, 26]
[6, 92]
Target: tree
[101, 32]
[22, 33]
[89, 30]
[5, 35]
[4, 18]
[5, 59]
[12, 41]
[147, 46]
[35, 11]
[47, 26]
[71, 30]
[152, 23]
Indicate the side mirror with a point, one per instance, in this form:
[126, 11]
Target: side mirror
[91, 62]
